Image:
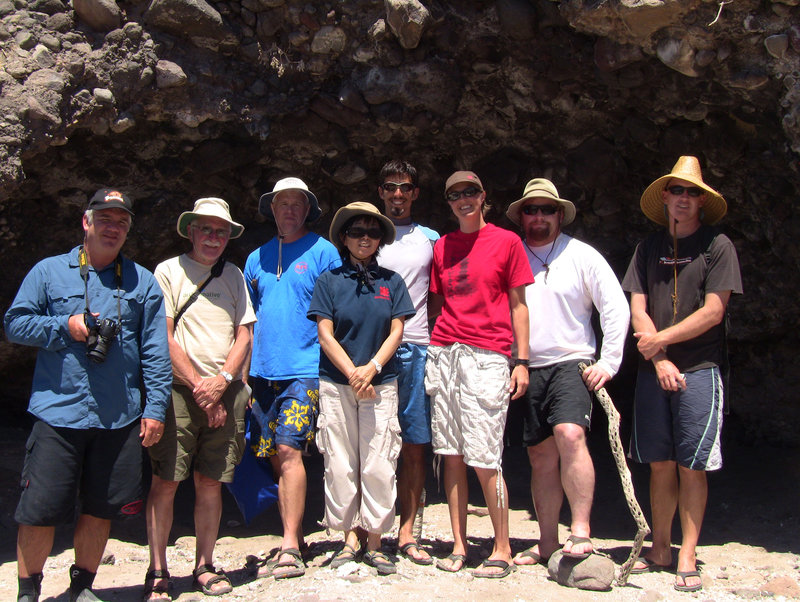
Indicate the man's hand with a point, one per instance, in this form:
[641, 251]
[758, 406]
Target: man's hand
[209, 391]
[217, 414]
[669, 377]
[77, 327]
[649, 344]
[519, 381]
[150, 431]
[595, 378]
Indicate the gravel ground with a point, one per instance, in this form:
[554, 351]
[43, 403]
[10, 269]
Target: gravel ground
[749, 547]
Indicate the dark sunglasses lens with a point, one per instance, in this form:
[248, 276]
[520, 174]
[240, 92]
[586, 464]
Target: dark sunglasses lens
[693, 191]
[534, 209]
[457, 194]
[405, 187]
[374, 233]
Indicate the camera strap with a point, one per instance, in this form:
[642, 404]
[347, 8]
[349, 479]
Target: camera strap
[83, 263]
[216, 270]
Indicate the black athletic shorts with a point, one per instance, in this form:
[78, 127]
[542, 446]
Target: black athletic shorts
[556, 395]
[100, 467]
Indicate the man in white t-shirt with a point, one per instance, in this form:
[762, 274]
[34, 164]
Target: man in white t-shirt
[209, 344]
[555, 414]
[410, 255]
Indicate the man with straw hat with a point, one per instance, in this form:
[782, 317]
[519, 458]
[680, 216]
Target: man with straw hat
[208, 328]
[680, 280]
[280, 276]
[571, 278]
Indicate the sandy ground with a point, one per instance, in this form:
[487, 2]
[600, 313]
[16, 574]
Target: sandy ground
[749, 547]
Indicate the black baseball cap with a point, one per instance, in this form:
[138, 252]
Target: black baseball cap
[109, 198]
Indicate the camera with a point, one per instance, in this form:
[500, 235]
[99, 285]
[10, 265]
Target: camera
[101, 335]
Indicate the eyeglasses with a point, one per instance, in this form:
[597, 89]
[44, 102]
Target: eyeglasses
[208, 231]
[390, 187]
[467, 192]
[534, 209]
[357, 232]
[690, 190]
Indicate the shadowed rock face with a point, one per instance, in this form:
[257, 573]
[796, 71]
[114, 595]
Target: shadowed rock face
[172, 100]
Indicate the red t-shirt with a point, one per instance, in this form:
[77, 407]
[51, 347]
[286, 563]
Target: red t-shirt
[474, 273]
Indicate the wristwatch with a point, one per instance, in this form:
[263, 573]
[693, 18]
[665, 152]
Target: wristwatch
[227, 376]
[520, 362]
[378, 366]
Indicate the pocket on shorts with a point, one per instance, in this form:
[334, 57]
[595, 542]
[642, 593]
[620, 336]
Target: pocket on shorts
[488, 381]
[322, 435]
[432, 379]
[393, 441]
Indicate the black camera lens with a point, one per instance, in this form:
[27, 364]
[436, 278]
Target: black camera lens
[100, 337]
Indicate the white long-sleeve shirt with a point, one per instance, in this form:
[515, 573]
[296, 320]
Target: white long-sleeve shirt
[560, 305]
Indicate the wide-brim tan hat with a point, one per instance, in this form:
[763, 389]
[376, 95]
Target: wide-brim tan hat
[208, 207]
[540, 188]
[265, 202]
[687, 168]
[353, 210]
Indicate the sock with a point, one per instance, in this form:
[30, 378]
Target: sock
[30, 586]
[80, 579]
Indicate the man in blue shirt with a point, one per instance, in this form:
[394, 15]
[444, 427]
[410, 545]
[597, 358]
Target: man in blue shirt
[98, 321]
[280, 277]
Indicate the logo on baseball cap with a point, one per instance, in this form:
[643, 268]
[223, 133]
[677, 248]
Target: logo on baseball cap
[110, 198]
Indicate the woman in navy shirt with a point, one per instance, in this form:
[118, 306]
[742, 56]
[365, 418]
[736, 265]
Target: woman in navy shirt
[360, 308]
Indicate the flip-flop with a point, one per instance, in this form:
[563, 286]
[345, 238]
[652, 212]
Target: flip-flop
[347, 554]
[295, 567]
[453, 558]
[687, 588]
[649, 567]
[404, 550]
[500, 564]
[535, 556]
[575, 540]
[380, 561]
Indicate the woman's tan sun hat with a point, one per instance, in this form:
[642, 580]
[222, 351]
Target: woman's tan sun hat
[687, 168]
[359, 208]
[540, 188]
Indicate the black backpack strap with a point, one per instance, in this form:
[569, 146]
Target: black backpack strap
[216, 270]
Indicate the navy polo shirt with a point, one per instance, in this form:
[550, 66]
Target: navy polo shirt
[362, 313]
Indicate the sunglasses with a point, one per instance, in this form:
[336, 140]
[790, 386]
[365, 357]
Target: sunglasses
[208, 231]
[690, 190]
[390, 187]
[544, 209]
[357, 232]
[467, 192]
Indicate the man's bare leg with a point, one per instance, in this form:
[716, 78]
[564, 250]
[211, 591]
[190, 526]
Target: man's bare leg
[577, 479]
[34, 545]
[692, 497]
[488, 479]
[207, 514]
[91, 536]
[663, 505]
[547, 497]
[291, 498]
[456, 490]
[410, 482]
[159, 513]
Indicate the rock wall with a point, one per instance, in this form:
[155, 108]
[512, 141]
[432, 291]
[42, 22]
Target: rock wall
[176, 99]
